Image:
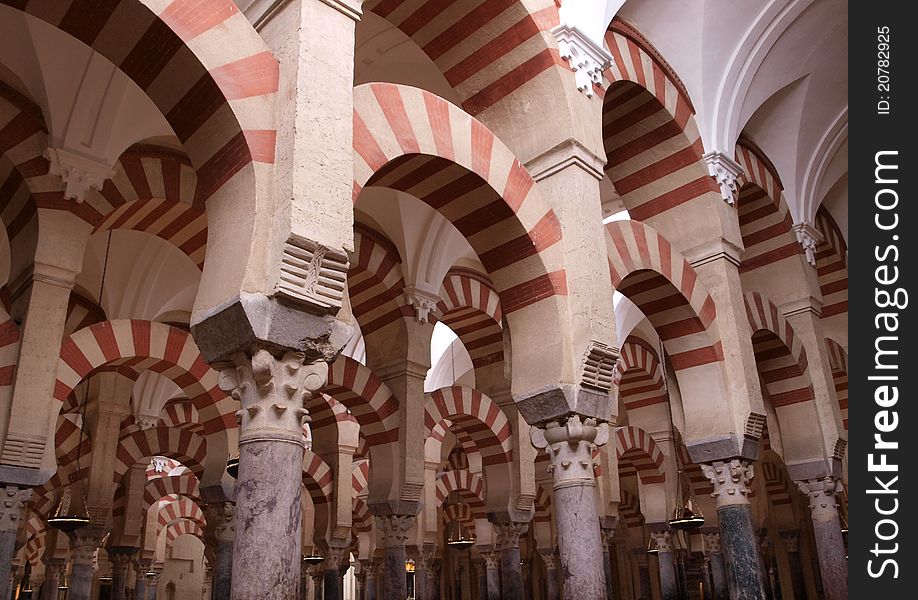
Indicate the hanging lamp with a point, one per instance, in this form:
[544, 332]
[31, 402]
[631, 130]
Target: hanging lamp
[652, 547]
[232, 466]
[313, 559]
[458, 536]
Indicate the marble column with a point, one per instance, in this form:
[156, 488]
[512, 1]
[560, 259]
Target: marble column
[120, 557]
[606, 536]
[713, 551]
[361, 579]
[83, 545]
[152, 583]
[570, 449]
[745, 580]
[331, 574]
[669, 586]
[791, 539]
[708, 593]
[643, 573]
[511, 576]
[221, 528]
[492, 565]
[317, 575]
[12, 500]
[830, 546]
[526, 571]
[550, 559]
[433, 584]
[423, 578]
[371, 581]
[394, 530]
[481, 571]
[49, 587]
[272, 391]
[765, 561]
[141, 567]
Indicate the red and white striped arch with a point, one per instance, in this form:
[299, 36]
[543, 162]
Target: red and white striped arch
[145, 345]
[479, 416]
[838, 362]
[325, 411]
[652, 141]
[470, 306]
[188, 448]
[542, 505]
[459, 511]
[318, 478]
[369, 399]
[81, 312]
[361, 518]
[182, 414]
[415, 142]
[459, 456]
[200, 62]
[832, 266]
[765, 221]
[646, 268]
[641, 383]
[179, 508]
[183, 527]
[630, 509]
[635, 445]
[9, 351]
[486, 50]
[776, 483]
[375, 281]
[779, 353]
[24, 178]
[158, 488]
[360, 476]
[469, 485]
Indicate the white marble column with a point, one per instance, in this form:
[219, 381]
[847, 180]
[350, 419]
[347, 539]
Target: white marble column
[12, 500]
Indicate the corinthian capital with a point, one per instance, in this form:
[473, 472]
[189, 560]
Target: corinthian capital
[730, 480]
[221, 518]
[395, 528]
[570, 448]
[12, 500]
[508, 534]
[821, 494]
[273, 391]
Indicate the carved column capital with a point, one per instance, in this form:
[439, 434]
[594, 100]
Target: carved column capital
[712, 545]
[570, 448]
[121, 558]
[424, 302]
[587, 59]
[273, 391]
[809, 237]
[791, 539]
[84, 543]
[725, 171]
[221, 519]
[821, 494]
[730, 480]
[395, 528]
[424, 559]
[492, 560]
[78, 172]
[550, 559]
[508, 534]
[12, 501]
[664, 540]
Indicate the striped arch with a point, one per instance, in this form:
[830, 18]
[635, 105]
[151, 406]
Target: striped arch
[471, 308]
[364, 394]
[375, 281]
[832, 266]
[185, 485]
[23, 140]
[469, 485]
[641, 383]
[9, 352]
[360, 476]
[776, 484]
[649, 131]
[188, 448]
[637, 447]
[182, 414]
[651, 273]
[415, 142]
[361, 518]
[140, 345]
[542, 505]
[326, 411]
[459, 511]
[179, 508]
[630, 509]
[486, 50]
[458, 457]
[765, 221]
[183, 527]
[186, 43]
[318, 478]
[779, 353]
[476, 414]
[838, 362]
[81, 312]
[67, 440]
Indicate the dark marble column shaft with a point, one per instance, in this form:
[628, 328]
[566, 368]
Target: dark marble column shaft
[394, 530]
[492, 565]
[221, 528]
[607, 563]
[511, 575]
[791, 539]
[669, 586]
[51, 584]
[120, 559]
[745, 580]
[570, 449]
[552, 590]
[371, 584]
[830, 546]
[646, 592]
